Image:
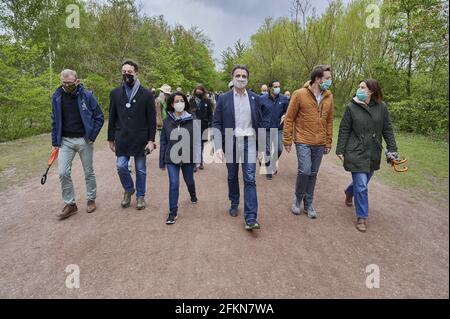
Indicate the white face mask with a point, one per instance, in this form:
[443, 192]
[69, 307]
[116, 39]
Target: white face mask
[179, 107]
[276, 91]
[240, 83]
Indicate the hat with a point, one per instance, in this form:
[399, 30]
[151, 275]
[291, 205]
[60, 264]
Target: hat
[166, 89]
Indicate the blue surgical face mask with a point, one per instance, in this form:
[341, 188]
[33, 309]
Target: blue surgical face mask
[326, 85]
[362, 95]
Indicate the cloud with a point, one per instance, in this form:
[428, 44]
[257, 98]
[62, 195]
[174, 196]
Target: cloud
[224, 22]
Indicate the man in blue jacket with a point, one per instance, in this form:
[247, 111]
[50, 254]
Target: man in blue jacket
[237, 120]
[276, 105]
[76, 122]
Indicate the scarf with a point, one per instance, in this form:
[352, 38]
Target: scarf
[134, 90]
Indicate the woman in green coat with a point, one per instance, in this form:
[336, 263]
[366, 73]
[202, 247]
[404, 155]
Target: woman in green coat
[366, 121]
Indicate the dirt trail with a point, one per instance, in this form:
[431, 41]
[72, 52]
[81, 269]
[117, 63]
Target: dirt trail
[207, 253]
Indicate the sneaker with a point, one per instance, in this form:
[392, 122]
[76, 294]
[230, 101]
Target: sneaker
[194, 199]
[251, 225]
[295, 209]
[311, 212]
[68, 211]
[201, 167]
[195, 169]
[269, 177]
[171, 218]
[127, 199]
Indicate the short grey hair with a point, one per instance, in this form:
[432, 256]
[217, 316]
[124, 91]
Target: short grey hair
[69, 73]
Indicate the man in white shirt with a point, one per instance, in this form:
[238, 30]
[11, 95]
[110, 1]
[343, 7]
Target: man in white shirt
[240, 110]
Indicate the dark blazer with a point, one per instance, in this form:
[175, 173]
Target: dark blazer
[224, 116]
[131, 128]
[360, 136]
[203, 113]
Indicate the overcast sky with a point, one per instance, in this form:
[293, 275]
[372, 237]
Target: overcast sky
[223, 21]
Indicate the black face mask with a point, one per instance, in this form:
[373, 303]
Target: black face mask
[128, 79]
[69, 88]
[199, 95]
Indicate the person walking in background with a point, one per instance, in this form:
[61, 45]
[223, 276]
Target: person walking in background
[161, 105]
[76, 121]
[240, 110]
[309, 122]
[365, 122]
[131, 131]
[202, 109]
[264, 90]
[288, 95]
[276, 105]
[178, 128]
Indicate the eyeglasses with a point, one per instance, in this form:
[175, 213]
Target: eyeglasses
[68, 83]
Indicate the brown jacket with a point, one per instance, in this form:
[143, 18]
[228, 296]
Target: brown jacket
[309, 123]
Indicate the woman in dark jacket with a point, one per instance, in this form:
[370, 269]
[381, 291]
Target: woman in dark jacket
[202, 109]
[366, 121]
[179, 150]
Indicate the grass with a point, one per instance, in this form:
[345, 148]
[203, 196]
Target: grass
[428, 163]
[427, 176]
[26, 158]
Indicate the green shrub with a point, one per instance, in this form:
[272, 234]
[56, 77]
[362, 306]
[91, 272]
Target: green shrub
[426, 117]
[100, 87]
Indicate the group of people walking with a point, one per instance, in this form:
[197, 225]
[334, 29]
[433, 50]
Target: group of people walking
[245, 128]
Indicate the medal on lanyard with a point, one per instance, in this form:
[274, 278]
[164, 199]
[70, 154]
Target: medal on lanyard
[128, 105]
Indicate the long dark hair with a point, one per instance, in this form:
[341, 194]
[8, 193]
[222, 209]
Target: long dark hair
[374, 86]
[171, 99]
[200, 87]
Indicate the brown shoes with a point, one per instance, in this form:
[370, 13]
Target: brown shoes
[361, 225]
[91, 206]
[68, 211]
[348, 200]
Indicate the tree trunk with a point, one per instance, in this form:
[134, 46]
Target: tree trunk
[410, 56]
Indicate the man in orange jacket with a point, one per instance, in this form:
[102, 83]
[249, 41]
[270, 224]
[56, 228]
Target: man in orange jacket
[309, 123]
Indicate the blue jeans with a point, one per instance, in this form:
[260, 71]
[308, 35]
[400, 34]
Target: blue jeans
[359, 190]
[248, 163]
[309, 159]
[174, 182]
[274, 139]
[140, 164]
